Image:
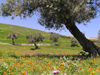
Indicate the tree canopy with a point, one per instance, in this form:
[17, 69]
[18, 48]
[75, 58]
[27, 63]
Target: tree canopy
[12, 36]
[35, 38]
[53, 13]
[54, 37]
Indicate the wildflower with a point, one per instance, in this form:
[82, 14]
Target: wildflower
[11, 73]
[23, 72]
[35, 68]
[36, 65]
[93, 72]
[60, 57]
[4, 72]
[58, 67]
[9, 70]
[75, 72]
[56, 71]
[65, 74]
[62, 64]
[50, 68]
[80, 67]
[99, 70]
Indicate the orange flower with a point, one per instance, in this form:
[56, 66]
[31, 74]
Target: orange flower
[9, 67]
[36, 65]
[11, 73]
[31, 69]
[75, 72]
[35, 68]
[45, 67]
[99, 70]
[80, 67]
[49, 63]
[67, 71]
[21, 69]
[50, 68]
[9, 70]
[69, 66]
[58, 67]
[4, 72]
[62, 64]
[23, 72]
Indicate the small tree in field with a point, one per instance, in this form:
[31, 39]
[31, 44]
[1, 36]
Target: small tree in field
[98, 38]
[35, 38]
[54, 38]
[12, 36]
[73, 42]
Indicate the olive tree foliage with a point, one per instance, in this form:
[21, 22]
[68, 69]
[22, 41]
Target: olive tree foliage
[58, 14]
[54, 38]
[53, 13]
[35, 38]
[12, 36]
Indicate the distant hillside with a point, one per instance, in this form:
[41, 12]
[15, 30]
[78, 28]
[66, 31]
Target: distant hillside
[6, 28]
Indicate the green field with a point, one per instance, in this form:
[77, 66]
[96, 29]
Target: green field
[22, 60]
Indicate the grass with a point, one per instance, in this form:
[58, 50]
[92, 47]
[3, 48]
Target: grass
[24, 60]
[5, 29]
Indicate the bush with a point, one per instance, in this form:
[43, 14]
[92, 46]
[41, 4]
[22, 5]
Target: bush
[74, 42]
[35, 38]
[98, 40]
[12, 36]
[54, 38]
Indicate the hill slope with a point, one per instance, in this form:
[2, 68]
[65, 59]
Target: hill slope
[5, 28]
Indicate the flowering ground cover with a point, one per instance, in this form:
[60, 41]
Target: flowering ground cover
[20, 60]
[49, 66]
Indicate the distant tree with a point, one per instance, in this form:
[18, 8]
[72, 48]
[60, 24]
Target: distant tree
[73, 42]
[35, 38]
[98, 39]
[12, 36]
[58, 14]
[54, 38]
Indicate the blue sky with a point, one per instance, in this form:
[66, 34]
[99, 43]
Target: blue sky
[91, 30]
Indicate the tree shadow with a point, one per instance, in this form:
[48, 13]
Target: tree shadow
[71, 57]
[34, 48]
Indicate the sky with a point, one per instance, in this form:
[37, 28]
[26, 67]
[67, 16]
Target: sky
[90, 30]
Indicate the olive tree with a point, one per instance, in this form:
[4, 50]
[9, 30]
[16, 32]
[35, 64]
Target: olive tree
[35, 38]
[73, 42]
[54, 38]
[12, 36]
[58, 14]
[98, 39]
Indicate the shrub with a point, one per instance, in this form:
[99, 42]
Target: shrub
[35, 38]
[54, 38]
[98, 39]
[73, 42]
[12, 36]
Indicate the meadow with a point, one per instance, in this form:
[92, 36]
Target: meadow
[47, 60]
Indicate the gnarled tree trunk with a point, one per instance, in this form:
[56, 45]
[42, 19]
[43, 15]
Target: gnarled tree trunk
[13, 43]
[87, 45]
[36, 47]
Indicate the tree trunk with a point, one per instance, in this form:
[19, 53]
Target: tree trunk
[36, 47]
[87, 45]
[13, 43]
